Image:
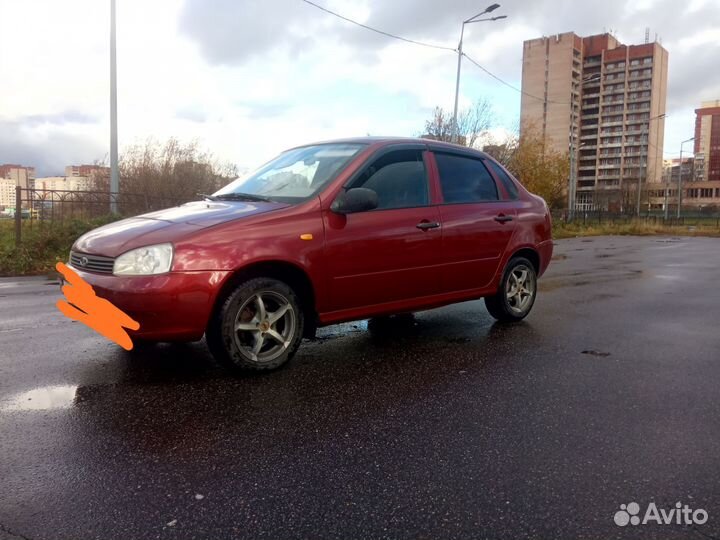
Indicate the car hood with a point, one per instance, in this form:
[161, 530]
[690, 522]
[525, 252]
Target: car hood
[166, 225]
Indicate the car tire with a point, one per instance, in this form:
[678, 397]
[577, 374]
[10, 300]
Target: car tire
[516, 293]
[258, 327]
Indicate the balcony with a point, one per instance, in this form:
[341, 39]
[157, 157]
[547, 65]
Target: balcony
[587, 168]
[609, 92]
[634, 131]
[586, 185]
[616, 69]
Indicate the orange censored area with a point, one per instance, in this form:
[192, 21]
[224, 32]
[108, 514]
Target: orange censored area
[84, 306]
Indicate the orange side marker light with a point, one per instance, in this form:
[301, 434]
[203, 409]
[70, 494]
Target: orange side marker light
[306, 236]
[84, 306]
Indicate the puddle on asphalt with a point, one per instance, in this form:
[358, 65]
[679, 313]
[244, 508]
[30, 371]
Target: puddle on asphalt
[41, 399]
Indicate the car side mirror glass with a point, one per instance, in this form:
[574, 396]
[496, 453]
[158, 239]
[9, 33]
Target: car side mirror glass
[355, 200]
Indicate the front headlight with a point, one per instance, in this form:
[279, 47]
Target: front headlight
[144, 261]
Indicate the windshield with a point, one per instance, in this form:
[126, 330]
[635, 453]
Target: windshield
[293, 176]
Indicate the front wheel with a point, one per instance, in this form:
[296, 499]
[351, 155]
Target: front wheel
[259, 326]
[516, 293]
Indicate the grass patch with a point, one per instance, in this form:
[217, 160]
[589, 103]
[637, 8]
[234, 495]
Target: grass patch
[43, 244]
[635, 228]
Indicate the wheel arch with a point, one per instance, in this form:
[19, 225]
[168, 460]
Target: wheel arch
[530, 254]
[284, 271]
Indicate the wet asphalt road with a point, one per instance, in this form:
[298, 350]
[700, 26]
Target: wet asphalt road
[441, 426]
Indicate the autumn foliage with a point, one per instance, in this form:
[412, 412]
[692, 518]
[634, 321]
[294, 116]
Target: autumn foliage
[539, 168]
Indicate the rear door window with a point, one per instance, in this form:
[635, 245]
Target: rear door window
[465, 179]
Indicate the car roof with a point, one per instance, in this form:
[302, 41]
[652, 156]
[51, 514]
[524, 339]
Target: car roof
[384, 141]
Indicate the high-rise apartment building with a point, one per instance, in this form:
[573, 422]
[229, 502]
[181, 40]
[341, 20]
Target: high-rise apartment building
[707, 139]
[602, 102]
[65, 183]
[87, 170]
[21, 175]
[11, 176]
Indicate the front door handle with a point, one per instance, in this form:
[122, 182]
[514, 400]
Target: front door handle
[425, 225]
[502, 218]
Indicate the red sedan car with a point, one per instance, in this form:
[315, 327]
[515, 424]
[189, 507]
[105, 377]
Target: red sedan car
[324, 233]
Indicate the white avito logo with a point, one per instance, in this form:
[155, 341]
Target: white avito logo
[629, 514]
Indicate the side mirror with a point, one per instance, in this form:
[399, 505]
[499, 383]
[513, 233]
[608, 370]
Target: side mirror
[355, 200]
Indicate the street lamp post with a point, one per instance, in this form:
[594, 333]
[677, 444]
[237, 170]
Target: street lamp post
[680, 176]
[643, 169]
[114, 177]
[474, 19]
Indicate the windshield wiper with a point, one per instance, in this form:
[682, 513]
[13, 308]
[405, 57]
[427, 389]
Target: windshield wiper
[242, 197]
[206, 196]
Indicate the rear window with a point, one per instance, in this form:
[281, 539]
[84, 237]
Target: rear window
[506, 181]
[465, 179]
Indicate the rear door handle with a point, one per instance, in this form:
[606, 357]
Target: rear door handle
[502, 218]
[425, 225]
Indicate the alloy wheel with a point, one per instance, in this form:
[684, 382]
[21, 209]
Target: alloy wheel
[265, 326]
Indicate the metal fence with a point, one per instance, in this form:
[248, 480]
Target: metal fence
[600, 217]
[46, 206]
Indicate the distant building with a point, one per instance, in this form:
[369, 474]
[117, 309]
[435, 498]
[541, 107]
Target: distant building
[602, 100]
[7, 193]
[697, 194]
[89, 171]
[67, 183]
[691, 171]
[707, 138]
[12, 175]
[23, 176]
[699, 175]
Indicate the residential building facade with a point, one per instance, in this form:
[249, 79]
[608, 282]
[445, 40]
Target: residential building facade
[7, 193]
[65, 183]
[603, 103]
[707, 139]
[12, 175]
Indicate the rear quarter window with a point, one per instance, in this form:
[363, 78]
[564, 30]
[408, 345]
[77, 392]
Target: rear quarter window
[505, 180]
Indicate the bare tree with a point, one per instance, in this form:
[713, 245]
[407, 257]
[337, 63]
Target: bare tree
[170, 172]
[472, 123]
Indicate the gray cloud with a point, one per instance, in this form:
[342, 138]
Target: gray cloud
[50, 152]
[231, 32]
[61, 118]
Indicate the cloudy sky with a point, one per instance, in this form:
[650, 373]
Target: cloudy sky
[248, 78]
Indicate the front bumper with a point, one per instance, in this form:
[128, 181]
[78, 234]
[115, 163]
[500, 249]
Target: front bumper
[169, 307]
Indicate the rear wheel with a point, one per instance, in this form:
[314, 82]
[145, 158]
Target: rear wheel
[258, 327]
[516, 294]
